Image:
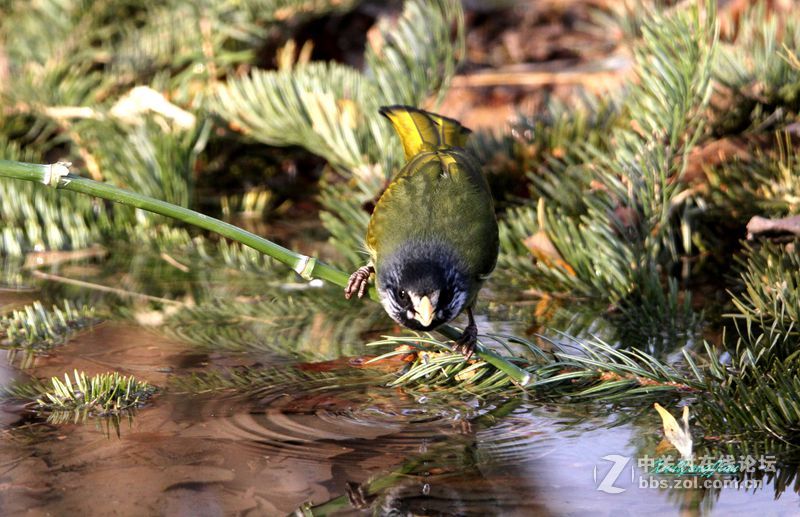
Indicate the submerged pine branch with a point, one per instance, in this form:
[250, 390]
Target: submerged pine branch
[304, 320]
[101, 394]
[757, 375]
[34, 330]
[252, 380]
[80, 397]
[590, 370]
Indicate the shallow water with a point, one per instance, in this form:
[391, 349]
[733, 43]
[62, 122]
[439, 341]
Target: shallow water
[339, 441]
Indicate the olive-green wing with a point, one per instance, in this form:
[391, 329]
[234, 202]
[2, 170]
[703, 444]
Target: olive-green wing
[441, 196]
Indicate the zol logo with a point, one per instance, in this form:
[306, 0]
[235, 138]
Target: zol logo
[618, 465]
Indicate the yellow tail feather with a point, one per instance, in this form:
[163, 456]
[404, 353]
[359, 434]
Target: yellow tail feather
[420, 130]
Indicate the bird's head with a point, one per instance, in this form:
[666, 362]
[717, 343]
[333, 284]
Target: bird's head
[423, 286]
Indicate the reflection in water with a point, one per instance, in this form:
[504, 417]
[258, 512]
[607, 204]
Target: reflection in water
[338, 442]
[329, 443]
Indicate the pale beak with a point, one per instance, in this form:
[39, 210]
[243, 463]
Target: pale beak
[424, 310]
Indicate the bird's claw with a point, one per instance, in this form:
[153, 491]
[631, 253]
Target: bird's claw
[358, 282]
[466, 343]
[463, 426]
[356, 495]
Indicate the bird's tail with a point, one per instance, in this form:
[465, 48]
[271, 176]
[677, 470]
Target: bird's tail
[421, 130]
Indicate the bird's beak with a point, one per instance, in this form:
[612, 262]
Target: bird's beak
[424, 310]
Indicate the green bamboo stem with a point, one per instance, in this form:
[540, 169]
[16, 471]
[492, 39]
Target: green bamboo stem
[58, 176]
[307, 267]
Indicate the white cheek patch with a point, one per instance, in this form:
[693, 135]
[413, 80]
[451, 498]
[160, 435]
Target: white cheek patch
[389, 306]
[410, 315]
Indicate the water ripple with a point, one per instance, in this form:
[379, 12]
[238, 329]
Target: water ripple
[357, 422]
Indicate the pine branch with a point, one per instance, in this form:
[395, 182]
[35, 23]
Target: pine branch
[34, 217]
[625, 219]
[312, 323]
[755, 73]
[764, 182]
[36, 330]
[74, 400]
[332, 110]
[771, 294]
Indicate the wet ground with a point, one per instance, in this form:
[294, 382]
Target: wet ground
[340, 440]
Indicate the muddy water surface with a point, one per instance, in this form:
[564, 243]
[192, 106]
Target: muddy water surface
[347, 444]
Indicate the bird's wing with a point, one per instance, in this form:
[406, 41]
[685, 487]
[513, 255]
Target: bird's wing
[451, 132]
[478, 237]
[441, 196]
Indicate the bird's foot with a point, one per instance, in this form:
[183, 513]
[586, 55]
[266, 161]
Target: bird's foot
[463, 427]
[466, 343]
[358, 281]
[356, 495]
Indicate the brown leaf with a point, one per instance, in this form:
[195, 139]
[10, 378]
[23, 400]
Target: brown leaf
[664, 447]
[545, 307]
[628, 217]
[390, 364]
[543, 249]
[711, 154]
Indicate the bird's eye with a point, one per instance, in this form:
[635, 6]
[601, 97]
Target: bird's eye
[402, 295]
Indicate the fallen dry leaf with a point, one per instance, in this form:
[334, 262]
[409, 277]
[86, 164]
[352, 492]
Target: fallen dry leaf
[543, 249]
[679, 436]
[711, 154]
[627, 216]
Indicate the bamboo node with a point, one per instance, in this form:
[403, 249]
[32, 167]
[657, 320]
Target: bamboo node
[305, 267]
[54, 172]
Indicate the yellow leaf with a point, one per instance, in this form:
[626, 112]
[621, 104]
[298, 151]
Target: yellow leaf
[679, 436]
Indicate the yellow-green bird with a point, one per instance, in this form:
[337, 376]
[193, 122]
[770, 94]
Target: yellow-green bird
[432, 237]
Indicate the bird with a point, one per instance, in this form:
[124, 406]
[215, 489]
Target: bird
[432, 237]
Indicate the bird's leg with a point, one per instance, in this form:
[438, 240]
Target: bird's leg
[469, 338]
[356, 496]
[358, 281]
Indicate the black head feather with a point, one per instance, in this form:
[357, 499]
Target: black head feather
[421, 268]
